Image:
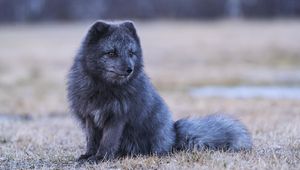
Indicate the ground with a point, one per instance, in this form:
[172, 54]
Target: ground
[37, 130]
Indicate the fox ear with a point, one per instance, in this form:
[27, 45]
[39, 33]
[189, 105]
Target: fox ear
[100, 26]
[96, 31]
[130, 26]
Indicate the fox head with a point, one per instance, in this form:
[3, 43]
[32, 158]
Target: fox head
[112, 52]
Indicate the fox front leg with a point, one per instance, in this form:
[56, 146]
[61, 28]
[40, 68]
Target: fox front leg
[93, 137]
[109, 143]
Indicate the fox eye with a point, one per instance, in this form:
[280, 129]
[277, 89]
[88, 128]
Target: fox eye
[131, 53]
[111, 54]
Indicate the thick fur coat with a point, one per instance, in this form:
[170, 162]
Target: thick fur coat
[121, 112]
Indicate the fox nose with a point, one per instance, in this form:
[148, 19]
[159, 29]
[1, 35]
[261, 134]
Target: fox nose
[129, 70]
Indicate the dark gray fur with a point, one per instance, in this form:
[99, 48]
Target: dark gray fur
[215, 132]
[119, 109]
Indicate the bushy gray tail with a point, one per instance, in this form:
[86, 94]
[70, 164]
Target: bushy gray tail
[214, 132]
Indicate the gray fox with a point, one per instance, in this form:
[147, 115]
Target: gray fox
[120, 110]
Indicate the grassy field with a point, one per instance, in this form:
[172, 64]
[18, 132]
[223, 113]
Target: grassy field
[36, 130]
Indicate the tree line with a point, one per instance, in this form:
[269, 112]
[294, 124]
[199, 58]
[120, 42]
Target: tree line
[67, 10]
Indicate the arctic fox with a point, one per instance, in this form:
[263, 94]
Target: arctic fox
[122, 113]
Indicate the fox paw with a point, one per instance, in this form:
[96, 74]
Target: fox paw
[83, 157]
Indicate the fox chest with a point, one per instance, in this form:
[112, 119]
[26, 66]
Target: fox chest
[104, 109]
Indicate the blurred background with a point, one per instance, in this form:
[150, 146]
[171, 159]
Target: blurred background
[241, 57]
[78, 10]
[198, 49]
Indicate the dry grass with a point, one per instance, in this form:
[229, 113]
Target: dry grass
[37, 132]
